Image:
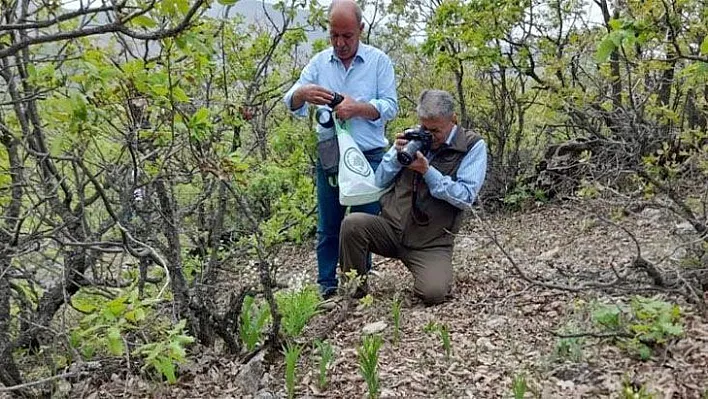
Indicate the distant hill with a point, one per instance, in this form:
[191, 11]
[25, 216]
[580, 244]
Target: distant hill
[254, 12]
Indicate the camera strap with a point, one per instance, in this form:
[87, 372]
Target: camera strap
[419, 217]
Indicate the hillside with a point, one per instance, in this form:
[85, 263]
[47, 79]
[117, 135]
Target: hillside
[501, 327]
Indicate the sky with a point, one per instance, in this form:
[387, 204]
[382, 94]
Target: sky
[75, 4]
[254, 7]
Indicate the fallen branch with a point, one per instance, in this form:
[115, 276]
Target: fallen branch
[616, 334]
[487, 229]
[639, 261]
[39, 382]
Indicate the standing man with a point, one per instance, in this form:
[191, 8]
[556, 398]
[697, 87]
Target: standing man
[364, 76]
[424, 208]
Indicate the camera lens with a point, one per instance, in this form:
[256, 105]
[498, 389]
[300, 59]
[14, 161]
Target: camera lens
[407, 154]
[324, 117]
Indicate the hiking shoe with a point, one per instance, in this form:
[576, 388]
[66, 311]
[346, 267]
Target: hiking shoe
[360, 293]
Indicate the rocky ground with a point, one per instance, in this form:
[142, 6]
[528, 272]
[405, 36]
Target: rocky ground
[500, 325]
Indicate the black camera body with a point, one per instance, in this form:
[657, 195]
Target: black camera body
[419, 139]
[324, 115]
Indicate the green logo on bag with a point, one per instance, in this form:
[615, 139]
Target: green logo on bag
[356, 162]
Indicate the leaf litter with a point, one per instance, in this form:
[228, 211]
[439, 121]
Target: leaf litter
[500, 325]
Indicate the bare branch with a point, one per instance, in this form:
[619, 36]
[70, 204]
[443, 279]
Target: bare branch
[114, 27]
[64, 17]
[38, 382]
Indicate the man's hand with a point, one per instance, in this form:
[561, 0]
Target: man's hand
[419, 164]
[350, 108]
[347, 109]
[311, 93]
[400, 142]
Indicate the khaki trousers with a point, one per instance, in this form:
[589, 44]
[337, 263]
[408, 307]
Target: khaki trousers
[362, 233]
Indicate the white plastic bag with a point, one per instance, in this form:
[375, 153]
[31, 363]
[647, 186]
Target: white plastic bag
[357, 184]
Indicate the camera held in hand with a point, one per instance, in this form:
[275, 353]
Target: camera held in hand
[419, 139]
[324, 115]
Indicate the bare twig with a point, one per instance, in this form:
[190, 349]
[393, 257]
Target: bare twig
[615, 334]
[38, 382]
[492, 235]
[639, 261]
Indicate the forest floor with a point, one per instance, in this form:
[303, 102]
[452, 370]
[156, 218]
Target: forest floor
[500, 325]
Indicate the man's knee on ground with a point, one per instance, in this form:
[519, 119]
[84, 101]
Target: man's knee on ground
[432, 294]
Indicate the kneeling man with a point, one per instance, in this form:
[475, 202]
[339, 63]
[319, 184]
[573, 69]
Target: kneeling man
[425, 206]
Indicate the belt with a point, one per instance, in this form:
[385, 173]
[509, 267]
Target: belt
[373, 151]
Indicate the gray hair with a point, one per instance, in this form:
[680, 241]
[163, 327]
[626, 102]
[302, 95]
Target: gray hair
[435, 104]
[357, 10]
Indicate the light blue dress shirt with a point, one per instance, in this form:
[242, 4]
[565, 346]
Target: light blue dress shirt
[370, 79]
[460, 192]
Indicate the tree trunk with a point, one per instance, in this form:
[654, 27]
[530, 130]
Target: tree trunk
[170, 227]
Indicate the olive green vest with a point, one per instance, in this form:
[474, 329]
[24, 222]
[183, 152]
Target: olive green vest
[425, 225]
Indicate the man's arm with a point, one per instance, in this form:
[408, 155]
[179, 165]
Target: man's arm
[470, 176]
[388, 168]
[386, 101]
[384, 106]
[305, 90]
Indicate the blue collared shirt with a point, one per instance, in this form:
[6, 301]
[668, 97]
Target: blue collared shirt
[370, 79]
[461, 191]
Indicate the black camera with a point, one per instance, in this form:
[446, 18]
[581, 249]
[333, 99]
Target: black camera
[419, 139]
[324, 115]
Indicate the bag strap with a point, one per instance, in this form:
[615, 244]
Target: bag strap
[340, 127]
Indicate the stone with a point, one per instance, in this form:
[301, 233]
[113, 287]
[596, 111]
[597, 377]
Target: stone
[485, 344]
[249, 376]
[651, 214]
[685, 228]
[496, 322]
[263, 394]
[373, 328]
[550, 254]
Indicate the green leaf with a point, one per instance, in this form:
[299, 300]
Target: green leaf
[673, 329]
[604, 50]
[115, 341]
[179, 94]
[615, 24]
[117, 306]
[31, 70]
[617, 37]
[177, 352]
[644, 352]
[144, 21]
[704, 46]
[79, 111]
[160, 90]
[88, 350]
[182, 6]
[179, 326]
[607, 315]
[75, 339]
[228, 2]
[166, 368]
[135, 316]
[199, 118]
[83, 306]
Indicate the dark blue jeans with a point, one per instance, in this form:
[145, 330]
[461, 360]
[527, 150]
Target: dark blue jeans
[329, 218]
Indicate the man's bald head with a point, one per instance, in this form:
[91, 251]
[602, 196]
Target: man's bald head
[345, 29]
[347, 7]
